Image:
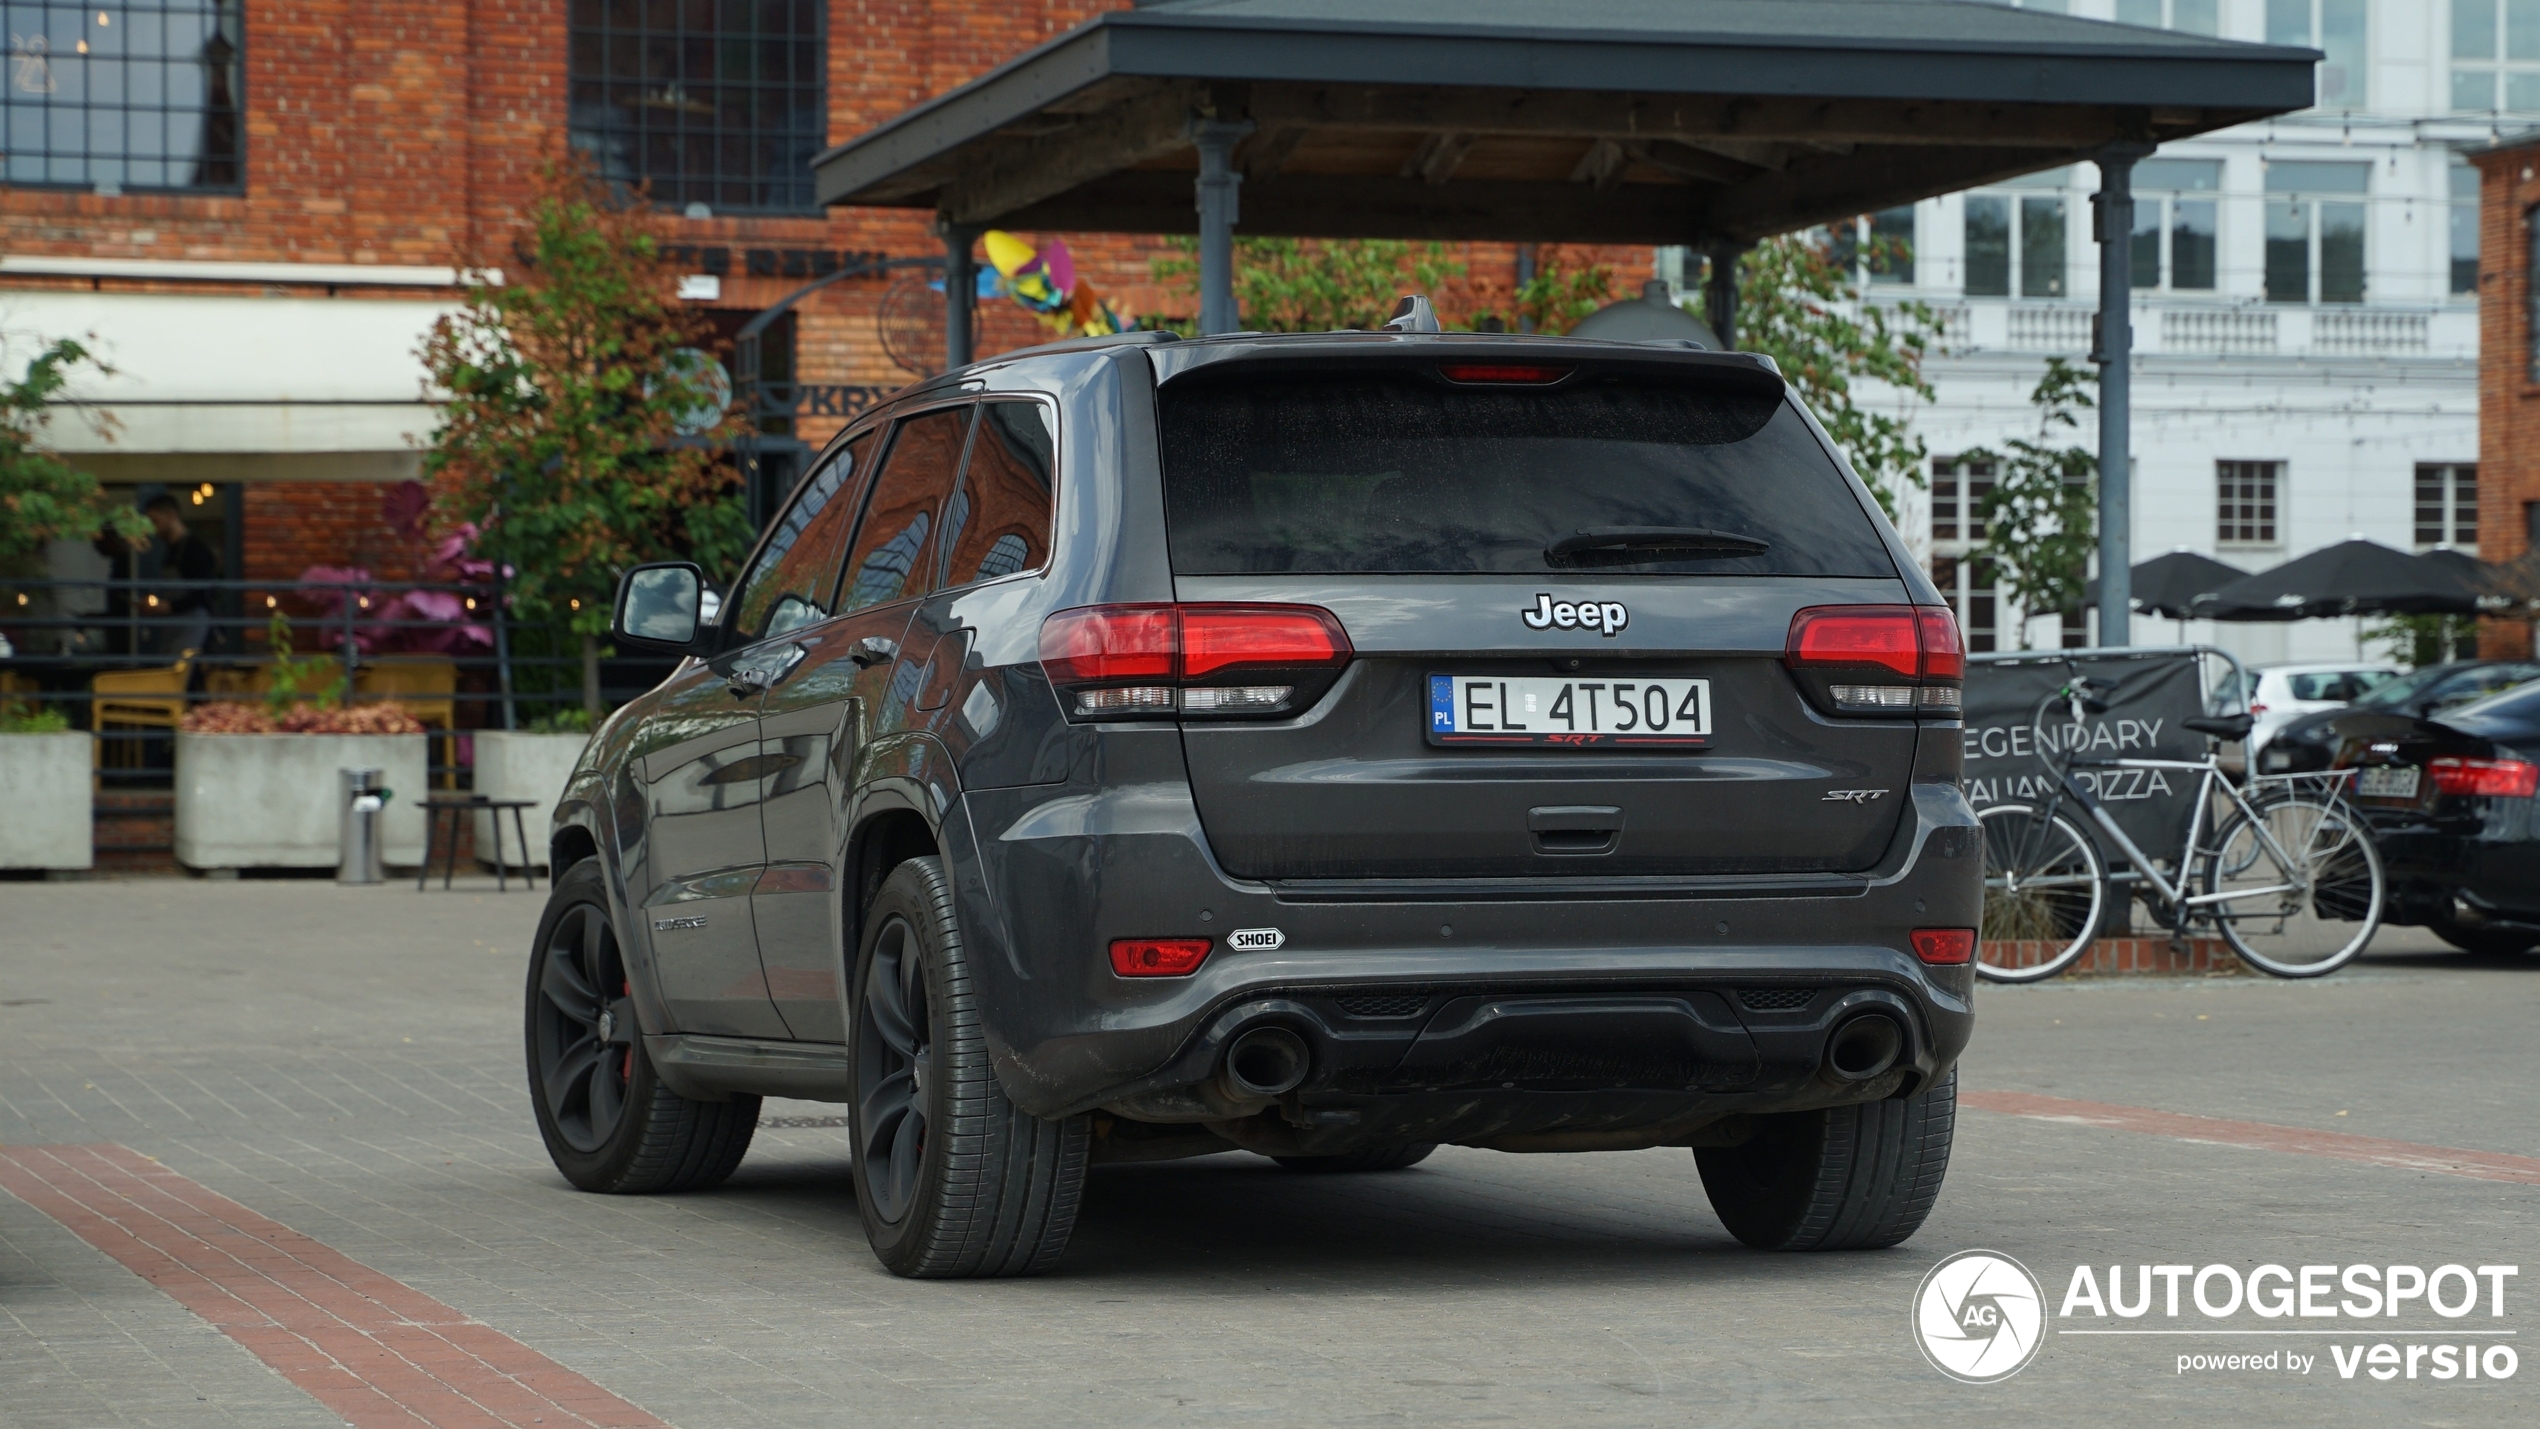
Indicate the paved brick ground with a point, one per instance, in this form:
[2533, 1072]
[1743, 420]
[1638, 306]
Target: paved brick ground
[345, 1063]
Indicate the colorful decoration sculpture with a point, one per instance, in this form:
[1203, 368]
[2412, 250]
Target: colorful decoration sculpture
[1045, 281]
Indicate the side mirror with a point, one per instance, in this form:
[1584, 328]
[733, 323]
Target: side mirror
[661, 607]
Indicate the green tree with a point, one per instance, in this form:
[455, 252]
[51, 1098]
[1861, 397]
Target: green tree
[1800, 304]
[2041, 518]
[1313, 284]
[2417, 641]
[562, 396]
[1557, 296]
[43, 498]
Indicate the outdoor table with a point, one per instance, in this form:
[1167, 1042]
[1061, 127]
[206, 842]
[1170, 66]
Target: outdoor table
[455, 805]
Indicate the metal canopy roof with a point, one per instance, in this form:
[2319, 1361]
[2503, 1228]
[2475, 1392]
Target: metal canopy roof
[1627, 121]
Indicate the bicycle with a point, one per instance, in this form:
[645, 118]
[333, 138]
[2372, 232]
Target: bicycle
[2291, 879]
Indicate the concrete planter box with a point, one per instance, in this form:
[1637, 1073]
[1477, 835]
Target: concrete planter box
[46, 818]
[510, 765]
[271, 800]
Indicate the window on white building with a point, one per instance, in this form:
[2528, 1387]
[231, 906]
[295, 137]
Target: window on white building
[2496, 56]
[2245, 502]
[2015, 240]
[1879, 249]
[2174, 223]
[2464, 181]
[1969, 587]
[2447, 504]
[2196, 17]
[2315, 232]
[2337, 29]
[1958, 489]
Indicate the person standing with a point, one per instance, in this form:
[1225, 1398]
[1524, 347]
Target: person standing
[193, 563]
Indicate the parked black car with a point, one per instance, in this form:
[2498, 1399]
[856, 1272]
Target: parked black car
[1321, 746]
[2452, 800]
[2310, 742]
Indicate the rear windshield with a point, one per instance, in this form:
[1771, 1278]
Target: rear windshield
[1367, 473]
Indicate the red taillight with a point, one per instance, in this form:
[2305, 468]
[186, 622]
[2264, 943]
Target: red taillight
[1234, 637]
[1098, 643]
[1884, 635]
[2494, 778]
[1145, 661]
[1878, 659]
[1945, 945]
[1158, 957]
[1944, 658]
[1502, 372]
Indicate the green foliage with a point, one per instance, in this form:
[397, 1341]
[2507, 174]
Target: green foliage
[17, 718]
[560, 398]
[2041, 518]
[44, 499]
[1313, 284]
[1798, 303]
[563, 719]
[1556, 297]
[2417, 641]
[314, 680]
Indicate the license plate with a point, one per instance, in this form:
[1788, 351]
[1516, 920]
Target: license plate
[1580, 714]
[2387, 781]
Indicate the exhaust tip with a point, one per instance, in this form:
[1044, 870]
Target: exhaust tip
[1864, 1048]
[1266, 1062]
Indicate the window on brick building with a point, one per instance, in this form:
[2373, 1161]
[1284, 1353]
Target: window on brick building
[2447, 504]
[127, 96]
[719, 105]
[2245, 504]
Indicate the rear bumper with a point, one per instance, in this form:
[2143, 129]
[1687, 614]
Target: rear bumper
[1539, 1006]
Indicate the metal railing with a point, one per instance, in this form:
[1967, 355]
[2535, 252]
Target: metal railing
[63, 633]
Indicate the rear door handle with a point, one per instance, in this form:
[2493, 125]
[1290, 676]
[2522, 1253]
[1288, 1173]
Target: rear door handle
[872, 650]
[1575, 818]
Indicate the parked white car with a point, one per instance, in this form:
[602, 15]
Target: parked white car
[2284, 693]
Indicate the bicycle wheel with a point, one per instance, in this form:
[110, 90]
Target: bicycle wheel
[2044, 888]
[2301, 901]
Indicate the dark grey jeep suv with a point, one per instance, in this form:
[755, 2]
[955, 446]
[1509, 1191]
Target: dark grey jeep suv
[1321, 746]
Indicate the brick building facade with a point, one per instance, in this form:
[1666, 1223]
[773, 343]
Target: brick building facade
[2509, 369]
[289, 191]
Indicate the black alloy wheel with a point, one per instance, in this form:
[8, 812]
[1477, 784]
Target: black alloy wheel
[609, 1121]
[894, 1053]
[952, 1180]
[583, 1028]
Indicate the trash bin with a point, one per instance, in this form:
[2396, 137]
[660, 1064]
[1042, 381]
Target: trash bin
[360, 860]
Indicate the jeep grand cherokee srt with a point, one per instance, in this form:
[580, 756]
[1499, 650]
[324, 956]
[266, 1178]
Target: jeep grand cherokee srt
[1326, 747]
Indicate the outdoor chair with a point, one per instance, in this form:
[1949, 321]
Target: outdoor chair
[138, 699]
[425, 688]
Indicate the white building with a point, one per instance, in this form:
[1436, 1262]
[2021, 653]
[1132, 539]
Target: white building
[2304, 323]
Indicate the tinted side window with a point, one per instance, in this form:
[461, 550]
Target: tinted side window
[894, 554]
[792, 584]
[1373, 471]
[999, 519]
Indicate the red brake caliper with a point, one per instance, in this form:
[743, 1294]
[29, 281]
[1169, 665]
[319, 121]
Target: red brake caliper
[627, 1072]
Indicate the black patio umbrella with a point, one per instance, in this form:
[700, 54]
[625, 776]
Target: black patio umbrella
[2350, 578]
[2169, 585]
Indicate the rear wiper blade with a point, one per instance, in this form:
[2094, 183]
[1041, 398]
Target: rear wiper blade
[1645, 545]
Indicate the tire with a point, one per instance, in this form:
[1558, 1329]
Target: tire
[1845, 1178]
[2336, 889]
[609, 1122]
[2490, 941]
[953, 1181]
[1365, 1158]
[2043, 883]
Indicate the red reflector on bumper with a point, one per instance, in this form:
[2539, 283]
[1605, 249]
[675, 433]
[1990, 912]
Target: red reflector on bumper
[1945, 945]
[1158, 957]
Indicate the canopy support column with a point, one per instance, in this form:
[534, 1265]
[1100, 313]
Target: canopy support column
[961, 295]
[2114, 352]
[1719, 291]
[1220, 205]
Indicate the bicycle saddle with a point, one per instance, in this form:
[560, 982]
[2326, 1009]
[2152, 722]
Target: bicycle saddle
[2222, 726]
